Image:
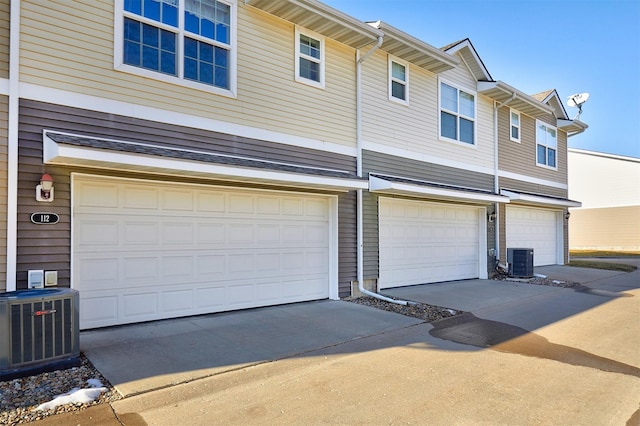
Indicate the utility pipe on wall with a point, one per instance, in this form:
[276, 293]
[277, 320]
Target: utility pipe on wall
[360, 238]
[496, 186]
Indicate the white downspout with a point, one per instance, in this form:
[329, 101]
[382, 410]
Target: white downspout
[496, 185]
[12, 144]
[360, 251]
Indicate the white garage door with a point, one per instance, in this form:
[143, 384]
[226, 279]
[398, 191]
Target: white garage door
[537, 229]
[147, 250]
[424, 242]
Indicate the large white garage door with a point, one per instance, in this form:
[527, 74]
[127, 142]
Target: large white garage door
[534, 228]
[423, 242]
[147, 250]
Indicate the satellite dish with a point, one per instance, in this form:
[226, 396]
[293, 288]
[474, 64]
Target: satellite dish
[576, 101]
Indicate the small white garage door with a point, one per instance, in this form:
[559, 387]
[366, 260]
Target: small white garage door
[147, 250]
[534, 228]
[423, 242]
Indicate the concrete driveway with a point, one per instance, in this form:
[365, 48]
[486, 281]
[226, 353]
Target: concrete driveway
[139, 358]
[546, 355]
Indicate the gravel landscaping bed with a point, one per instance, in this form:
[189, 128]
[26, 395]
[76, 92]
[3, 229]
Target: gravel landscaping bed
[20, 397]
[428, 313]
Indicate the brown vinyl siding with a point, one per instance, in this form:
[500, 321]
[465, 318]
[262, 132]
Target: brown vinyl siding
[4, 107]
[532, 188]
[375, 162]
[347, 242]
[520, 157]
[48, 246]
[5, 6]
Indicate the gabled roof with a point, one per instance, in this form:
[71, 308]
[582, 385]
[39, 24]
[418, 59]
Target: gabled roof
[470, 57]
[503, 93]
[413, 50]
[551, 98]
[316, 16]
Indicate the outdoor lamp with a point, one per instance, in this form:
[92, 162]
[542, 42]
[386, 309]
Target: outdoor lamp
[44, 191]
[567, 215]
[492, 217]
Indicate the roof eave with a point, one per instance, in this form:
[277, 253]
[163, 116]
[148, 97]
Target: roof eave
[503, 93]
[406, 47]
[318, 17]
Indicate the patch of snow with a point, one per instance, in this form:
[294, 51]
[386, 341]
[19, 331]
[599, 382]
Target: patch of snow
[539, 276]
[75, 396]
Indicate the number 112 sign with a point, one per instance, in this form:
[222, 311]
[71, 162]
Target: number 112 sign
[41, 218]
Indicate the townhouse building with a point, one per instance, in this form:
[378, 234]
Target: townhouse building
[212, 155]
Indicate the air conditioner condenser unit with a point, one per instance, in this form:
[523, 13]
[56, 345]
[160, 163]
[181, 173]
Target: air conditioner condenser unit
[520, 262]
[39, 331]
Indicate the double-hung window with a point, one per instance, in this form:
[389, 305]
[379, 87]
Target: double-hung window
[309, 65]
[514, 125]
[457, 114]
[398, 82]
[546, 145]
[189, 42]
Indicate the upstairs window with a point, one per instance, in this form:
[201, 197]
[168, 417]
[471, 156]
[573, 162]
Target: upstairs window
[309, 58]
[189, 42]
[514, 132]
[546, 145]
[457, 114]
[398, 82]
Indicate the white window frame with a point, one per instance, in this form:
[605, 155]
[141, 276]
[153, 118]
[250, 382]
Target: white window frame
[518, 126]
[321, 61]
[392, 79]
[118, 50]
[547, 146]
[457, 114]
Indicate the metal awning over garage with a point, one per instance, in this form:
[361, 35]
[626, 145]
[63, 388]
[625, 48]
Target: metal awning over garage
[69, 150]
[415, 188]
[538, 200]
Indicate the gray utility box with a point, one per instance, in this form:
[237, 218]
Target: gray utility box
[39, 331]
[520, 262]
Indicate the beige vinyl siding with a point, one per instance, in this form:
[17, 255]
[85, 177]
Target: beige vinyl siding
[4, 38]
[4, 108]
[521, 157]
[74, 52]
[414, 127]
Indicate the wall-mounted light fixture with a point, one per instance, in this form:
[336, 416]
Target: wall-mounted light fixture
[567, 215]
[492, 217]
[44, 190]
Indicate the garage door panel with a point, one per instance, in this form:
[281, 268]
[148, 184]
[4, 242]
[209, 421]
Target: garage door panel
[423, 242]
[534, 228]
[188, 250]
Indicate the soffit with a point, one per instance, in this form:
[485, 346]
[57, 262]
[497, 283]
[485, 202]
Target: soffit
[410, 49]
[503, 93]
[318, 17]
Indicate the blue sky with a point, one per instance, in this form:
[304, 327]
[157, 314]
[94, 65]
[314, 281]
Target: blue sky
[572, 46]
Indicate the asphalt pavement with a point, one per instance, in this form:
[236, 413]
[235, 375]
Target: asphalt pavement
[522, 354]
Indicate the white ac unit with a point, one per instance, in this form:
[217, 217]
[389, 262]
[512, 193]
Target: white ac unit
[520, 262]
[39, 331]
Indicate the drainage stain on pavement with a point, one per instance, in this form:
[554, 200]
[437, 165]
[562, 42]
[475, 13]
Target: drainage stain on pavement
[471, 330]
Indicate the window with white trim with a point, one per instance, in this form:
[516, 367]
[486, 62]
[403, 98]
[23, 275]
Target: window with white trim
[309, 58]
[457, 114]
[398, 82]
[514, 125]
[546, 145]
[189, 42]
